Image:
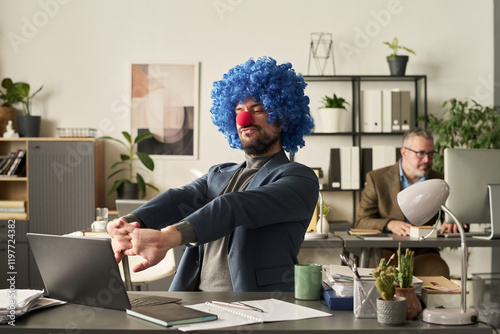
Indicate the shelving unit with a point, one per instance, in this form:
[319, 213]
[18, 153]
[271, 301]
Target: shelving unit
[350, 87]
[64, 183]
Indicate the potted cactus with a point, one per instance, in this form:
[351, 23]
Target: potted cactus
[404, 278]
[391, 310]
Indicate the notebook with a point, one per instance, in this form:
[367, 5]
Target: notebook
[171, 314]
[274, 310]
[83, 270]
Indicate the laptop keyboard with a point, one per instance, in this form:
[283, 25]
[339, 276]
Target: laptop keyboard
[145, 302]
[150, 300]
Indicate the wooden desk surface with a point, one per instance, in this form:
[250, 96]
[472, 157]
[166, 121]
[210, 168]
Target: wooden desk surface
[73, 318]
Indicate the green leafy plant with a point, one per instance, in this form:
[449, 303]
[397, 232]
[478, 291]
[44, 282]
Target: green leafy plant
[404, 273]
[326, 209]
[395, 47]
[126, 163]
[463, 124]
[334, 102]
[17, 92]
[384, 280]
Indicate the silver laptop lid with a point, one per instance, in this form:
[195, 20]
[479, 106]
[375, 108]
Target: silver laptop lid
[80, 270]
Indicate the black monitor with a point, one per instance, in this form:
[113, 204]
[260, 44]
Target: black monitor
[474, 179]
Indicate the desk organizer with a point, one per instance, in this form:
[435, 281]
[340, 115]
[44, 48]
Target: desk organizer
[486, 287]
[365, 298]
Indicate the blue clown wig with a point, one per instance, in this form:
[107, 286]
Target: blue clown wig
[277, 87]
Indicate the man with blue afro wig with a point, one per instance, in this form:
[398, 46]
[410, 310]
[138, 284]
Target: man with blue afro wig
[277, 87]
[244, 223]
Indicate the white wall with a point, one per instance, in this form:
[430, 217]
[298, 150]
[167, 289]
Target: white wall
[81, 51]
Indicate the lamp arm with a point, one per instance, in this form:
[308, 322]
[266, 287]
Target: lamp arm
[463, 299]
[427, 235]
[421, 239]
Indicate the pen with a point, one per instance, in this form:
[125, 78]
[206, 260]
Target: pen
[390, 259]
[239, 305]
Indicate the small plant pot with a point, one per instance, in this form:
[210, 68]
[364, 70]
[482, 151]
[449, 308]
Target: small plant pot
[397, 65]
[29, 126]
[413, 306]
[391, 312]
[331, 119]
[128, 191]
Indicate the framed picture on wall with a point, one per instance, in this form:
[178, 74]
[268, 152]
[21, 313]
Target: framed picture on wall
[165, 101]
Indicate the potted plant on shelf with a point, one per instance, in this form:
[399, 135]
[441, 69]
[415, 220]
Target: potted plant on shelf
[463, 124]
[133, 185]
[397, 63]
[323, 224]
[331, 114]
[19, 92]
[391, 309]
[404, 277]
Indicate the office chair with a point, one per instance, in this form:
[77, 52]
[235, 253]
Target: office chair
[164, 268]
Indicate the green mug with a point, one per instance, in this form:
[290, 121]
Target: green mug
[308, 279]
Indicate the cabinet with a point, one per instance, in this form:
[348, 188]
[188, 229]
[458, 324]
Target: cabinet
[64, 183]
[316, 153]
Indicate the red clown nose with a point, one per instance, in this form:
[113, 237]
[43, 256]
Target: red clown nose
[244, 118]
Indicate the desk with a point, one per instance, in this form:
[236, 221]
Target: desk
[332, 241]
[353, 243]
[83, 319]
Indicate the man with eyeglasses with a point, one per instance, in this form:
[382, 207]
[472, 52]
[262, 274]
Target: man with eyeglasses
[378, 208]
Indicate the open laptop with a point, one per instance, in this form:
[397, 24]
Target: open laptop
[83, 270]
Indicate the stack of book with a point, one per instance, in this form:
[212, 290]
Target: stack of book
[11, 209]
[438, 291]
[13, 164]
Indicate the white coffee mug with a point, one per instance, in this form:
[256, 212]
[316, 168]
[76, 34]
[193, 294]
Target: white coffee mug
[98, 225]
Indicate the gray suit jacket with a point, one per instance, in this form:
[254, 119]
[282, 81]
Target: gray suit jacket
[266, 222]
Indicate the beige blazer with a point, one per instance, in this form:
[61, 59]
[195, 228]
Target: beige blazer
[378, 203]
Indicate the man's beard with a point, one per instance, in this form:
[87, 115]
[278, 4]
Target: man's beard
[421, 173]
[261, 144]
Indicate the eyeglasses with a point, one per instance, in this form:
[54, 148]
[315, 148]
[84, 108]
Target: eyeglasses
[422, 154]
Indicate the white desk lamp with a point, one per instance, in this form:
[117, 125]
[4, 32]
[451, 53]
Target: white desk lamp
[419, 203]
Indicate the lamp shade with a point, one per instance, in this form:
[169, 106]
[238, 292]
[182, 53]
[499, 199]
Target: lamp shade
[421, 201]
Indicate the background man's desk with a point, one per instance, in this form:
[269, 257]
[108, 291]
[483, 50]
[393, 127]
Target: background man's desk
[72, 318]
[357, 245]
[332, 241]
